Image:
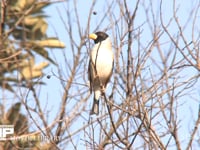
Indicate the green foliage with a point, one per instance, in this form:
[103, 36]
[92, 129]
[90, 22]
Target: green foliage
[20, 122]
[23, 35]
[22, 137]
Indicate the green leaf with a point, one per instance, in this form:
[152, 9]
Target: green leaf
[31, 20]
[40, 27]
[51, 42]
[33, 70]
[43, 52]
[30, 3]
[20, 5]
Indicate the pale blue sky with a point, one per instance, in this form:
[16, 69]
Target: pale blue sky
[53, 91]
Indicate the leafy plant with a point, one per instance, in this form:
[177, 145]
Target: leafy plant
[23, 37]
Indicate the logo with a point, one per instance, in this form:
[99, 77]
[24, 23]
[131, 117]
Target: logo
[5, 131]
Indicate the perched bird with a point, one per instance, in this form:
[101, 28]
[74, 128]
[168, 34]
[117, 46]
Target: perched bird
[100, 66]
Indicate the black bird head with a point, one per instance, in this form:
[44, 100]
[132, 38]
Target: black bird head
[98, 36]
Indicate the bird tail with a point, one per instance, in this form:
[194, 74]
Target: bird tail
[95, 107]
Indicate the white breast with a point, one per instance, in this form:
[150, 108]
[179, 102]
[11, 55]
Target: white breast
[102, 58]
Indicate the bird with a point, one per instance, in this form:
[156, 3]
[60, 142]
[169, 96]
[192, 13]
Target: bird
[100, 66]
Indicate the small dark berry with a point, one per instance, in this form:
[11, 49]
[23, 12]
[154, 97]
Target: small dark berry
[48, 76]
[94, 12]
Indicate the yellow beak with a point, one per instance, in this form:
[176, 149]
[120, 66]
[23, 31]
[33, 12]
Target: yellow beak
[93, 36]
